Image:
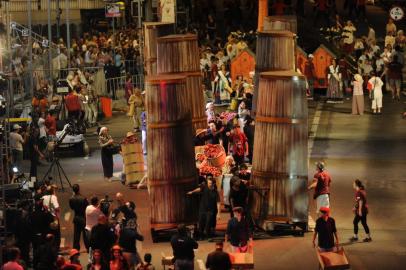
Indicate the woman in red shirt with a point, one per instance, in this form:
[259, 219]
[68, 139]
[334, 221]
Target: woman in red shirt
[360, 210]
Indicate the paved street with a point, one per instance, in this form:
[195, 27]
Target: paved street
[368, 147]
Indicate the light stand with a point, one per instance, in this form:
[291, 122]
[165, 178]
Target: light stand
[56, 163]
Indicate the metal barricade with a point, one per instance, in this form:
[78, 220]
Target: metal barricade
[133, 67]
[116, 86]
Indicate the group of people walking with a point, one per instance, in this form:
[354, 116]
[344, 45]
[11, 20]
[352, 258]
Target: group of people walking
[325, 228]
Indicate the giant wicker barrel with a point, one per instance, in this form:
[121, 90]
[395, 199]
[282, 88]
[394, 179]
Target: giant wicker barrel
[280, 148]
[180, 54]
[171, 167]
[275, 51]
[287, 23]
[153, 30]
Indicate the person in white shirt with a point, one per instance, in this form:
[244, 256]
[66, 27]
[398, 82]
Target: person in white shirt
[375, 84]
[50, 202]
[42, 132]
[16, 145]
[371, 39]
[92, 214]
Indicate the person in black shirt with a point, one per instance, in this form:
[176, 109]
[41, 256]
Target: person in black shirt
[238, 194]
[40, 224]
[183, 246]
[239, 232]
[127, 241]
[218, 259]
[102, 237]
[33, 149]
[78, 204]
[249, 130]
[45, 256]
[225, 131]
[209, 208]
[326, 231]
[212, 135]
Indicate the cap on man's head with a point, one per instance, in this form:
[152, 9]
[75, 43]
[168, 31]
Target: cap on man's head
[16, 126]
[238, 209]
[73, 252]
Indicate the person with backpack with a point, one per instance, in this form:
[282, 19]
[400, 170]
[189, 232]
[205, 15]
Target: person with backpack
[321, 185]
[238, 145]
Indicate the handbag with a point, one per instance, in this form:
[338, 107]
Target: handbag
[113, 149]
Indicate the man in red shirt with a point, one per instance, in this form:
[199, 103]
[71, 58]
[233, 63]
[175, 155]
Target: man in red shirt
[50, 124]
[238, 145]
[72, 104]
[321, 185]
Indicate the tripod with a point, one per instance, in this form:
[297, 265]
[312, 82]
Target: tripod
[55, 161]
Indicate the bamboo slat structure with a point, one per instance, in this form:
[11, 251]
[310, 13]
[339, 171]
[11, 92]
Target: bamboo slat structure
[280, 23]
[180, 54]
[280, 148]
[152, 31]
[171, 165]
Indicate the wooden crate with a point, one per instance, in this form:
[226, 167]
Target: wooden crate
[131, 148]
[333, 260]
[242, 260]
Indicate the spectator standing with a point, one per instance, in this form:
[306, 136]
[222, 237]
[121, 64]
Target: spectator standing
[16, 145]
[321, 7]
[72, 104]
[78, 204]
[238, 145]
[46, 255]
[183, 246]
[117, 261]
[74, 262]
[209, 208]
[310, 73]
[375, 85]
[242, 113]
[358, 95]
[136, 107]
[239, 232]
[321, 185]
[211, 28]
[390, 27]
[50, 202]
[371, 39]
[249, 131]
[146, 265]
[102, 237]
[98, 262]
[345, 75]
[42, 132]
[50, 124]
[13, 263]
[218, 259]
[334, 90]
[326, 231]
[127, 241]
[395, 77]
[360, 210]
[92, 214]
[348, 34]
[106, 143]
[361, 10]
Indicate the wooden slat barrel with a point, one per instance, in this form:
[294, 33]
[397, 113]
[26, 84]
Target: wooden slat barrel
[180, 54]
[275, 51]
[152, 31]
[280, 148]
[281, 23]
[171, 165]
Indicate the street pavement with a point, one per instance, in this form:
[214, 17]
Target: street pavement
[369, 147]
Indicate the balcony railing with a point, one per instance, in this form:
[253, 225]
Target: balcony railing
[22, 6]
